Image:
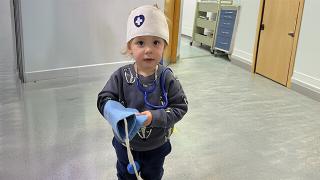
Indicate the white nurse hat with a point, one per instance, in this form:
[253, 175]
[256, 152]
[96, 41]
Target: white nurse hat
[147, 20]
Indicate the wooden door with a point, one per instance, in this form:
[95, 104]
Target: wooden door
[276, 41]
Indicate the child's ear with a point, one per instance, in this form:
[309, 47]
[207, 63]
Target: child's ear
[129, 50]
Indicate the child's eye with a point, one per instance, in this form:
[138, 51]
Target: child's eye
[156, 42]
[140, 43]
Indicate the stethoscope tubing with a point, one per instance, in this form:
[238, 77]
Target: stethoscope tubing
[147, 91]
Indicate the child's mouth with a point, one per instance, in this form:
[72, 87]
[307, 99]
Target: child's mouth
[148, 59]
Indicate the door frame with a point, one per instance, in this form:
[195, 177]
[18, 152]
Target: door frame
[16, 22]
[172, 10]
[295, 40]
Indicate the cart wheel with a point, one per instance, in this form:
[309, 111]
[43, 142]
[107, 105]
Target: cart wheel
[191, 43]
[215, 54]
[212, 52]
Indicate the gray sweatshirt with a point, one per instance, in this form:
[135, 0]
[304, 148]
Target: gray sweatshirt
[122, 87]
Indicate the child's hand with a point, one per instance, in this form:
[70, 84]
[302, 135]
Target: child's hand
[149, 117]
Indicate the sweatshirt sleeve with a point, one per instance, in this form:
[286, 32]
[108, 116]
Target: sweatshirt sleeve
[110, 91]
[177, 105]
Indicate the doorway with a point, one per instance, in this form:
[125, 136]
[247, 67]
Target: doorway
[276, 39]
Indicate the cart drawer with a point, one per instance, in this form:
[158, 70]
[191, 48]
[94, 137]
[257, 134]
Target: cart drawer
[228, 12]
[204, 23]
[226, 32]
[223, 43]
[227, 17]
[226, 23]
[207, 40]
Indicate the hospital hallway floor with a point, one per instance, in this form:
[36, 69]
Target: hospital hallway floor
[239, 127]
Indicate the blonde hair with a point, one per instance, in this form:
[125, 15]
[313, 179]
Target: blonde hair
[125, 50]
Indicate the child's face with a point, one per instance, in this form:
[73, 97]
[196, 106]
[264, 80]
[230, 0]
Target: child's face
[147, 51]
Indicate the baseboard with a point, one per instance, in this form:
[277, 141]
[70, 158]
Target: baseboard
[186, 30]
[306, 85]
[186, 36]
[77, 71]
[241, 59]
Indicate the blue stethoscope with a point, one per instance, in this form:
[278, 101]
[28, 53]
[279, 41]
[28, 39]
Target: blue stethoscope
[152, 88]
[133, 167]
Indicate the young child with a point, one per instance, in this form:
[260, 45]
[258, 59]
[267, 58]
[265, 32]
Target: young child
[150, 88]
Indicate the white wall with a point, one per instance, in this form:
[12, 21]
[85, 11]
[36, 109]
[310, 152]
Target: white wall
[246, 31]
[63, 36]
[6, 38]
[188, 11]
[307, 64]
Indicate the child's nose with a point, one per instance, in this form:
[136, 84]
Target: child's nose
[148, 49]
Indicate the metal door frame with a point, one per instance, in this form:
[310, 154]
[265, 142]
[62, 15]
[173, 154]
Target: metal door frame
[16, 19]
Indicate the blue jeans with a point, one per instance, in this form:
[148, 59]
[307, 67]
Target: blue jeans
[151, 162]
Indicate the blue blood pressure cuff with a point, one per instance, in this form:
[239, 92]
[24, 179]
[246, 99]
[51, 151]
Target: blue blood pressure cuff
[115, 113]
